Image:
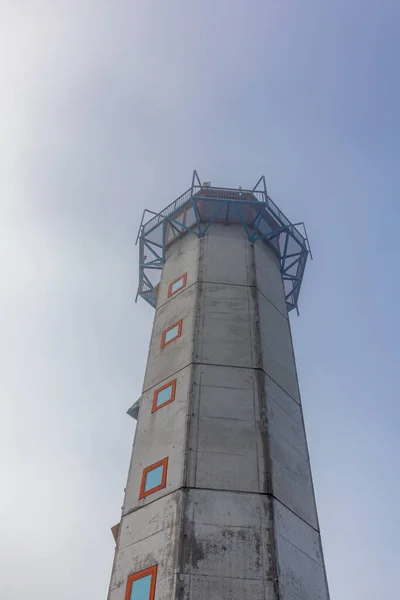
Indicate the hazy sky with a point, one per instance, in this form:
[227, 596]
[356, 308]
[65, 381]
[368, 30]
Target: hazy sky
[105, 109]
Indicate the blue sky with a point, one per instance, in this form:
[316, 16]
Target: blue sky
[106, 109]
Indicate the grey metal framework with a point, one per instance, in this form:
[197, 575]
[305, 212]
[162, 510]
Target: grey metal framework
[201, 206]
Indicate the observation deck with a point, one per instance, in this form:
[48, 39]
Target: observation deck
[195, 211]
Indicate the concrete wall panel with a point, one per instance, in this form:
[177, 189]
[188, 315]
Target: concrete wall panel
[277, 351]
[281, 397]
[159, 434]
[225, 392]
[164, 362]
[225, 330]
[225, 471]
[291, 472]
[268, 276]
[181, 257]
[226, 256]
[230, 552]
[175, 454]
[233, 436]
[170, 417]
[228, 509]
[198, 587]
[290, 489]
[223, 437]
[300, 563]
[150, 520]
[224, 377]
[141, 547]
[226, 455]
[293, 529]
[219, 402]
[227, 536]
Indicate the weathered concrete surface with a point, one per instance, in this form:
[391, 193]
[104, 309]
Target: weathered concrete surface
[163, 362]
[237, 518]
[159, 434]
[276, 347]
[290, 466]
[225, 333]
[223, 445]
[226, 244]
[301, 570]
[227, 535]
[182, 257]
[148, 537]
[267, 277]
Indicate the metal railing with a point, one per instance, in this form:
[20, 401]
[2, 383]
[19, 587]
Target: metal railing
[166, 212]
[221, 192]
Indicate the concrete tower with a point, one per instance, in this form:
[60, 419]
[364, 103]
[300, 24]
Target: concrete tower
[219, 503]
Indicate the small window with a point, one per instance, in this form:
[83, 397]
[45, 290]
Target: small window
[177, 285]
[154, 478]
[171, 333]
[142, 585]
[164, 395]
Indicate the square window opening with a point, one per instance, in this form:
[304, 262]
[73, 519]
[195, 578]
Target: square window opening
[171, 333]
[142, 585]
[164, 395]
[177, 285]
[154, 478]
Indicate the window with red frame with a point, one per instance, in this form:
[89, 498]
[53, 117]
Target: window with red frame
[177, 285]
[154, 478]
[142, 585]
[164, 395]
[171, 333]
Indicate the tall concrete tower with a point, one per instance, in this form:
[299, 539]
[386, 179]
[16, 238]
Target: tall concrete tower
[219, 503]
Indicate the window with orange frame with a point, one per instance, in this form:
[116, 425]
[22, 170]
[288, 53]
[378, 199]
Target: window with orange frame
[164, 395]
[154, 478]
[142, 585]
[171, 333]
[177, 285]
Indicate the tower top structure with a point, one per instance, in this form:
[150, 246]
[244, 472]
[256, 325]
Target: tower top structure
[203, 204]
